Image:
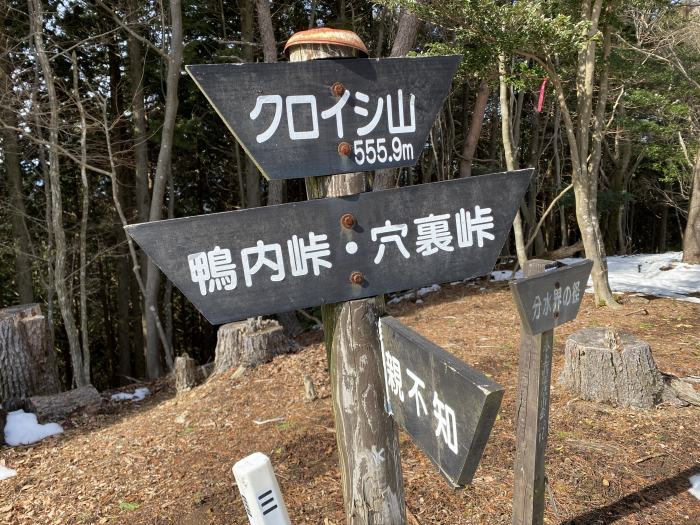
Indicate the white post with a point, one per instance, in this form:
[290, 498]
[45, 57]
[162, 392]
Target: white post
[259, 490]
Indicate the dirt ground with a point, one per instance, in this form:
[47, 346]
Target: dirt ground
[168, 459]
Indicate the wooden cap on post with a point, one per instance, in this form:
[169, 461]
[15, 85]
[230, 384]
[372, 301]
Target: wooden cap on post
[324, 42]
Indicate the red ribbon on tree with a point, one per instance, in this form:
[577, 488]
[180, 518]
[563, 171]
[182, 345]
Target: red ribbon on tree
[542, 89]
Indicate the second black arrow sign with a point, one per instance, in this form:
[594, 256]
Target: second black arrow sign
[260, 261]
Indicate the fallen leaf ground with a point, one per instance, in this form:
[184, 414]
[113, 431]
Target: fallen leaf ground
[167, 460]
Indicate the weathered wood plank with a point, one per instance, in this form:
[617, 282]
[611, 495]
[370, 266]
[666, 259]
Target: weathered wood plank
[447, 407]
[390, 244]
[532, 417]
[290, 119]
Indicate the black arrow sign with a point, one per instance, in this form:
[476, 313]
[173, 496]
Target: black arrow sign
[553, 297]
[323, 117]
[260, 261]
[447, 407]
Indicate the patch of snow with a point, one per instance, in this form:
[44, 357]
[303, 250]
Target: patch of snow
[138, 395]
[399, 298]
[428, 289]
[505, 275]
[6, 473]
[695, 485]
[419, 301]
[23, 428]
[659, 274]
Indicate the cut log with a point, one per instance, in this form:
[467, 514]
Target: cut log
[611, 367]
[185, 373]
[249, 343]
[50, 408]
[27, 361]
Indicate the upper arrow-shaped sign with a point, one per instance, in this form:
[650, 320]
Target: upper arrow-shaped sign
[323, 117]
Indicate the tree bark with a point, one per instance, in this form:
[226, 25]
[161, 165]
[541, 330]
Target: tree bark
[154, 329]
[27, 359]
[691, 237]
[62, 289]
[372, 489]
[471, 140]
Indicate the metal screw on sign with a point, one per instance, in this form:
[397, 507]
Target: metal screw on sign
[347, 221]
[344, 149]
[338, 89]
[357, 278]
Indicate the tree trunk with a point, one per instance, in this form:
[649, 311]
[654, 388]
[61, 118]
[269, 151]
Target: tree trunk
[611, 367]
[506, 134]
[62, 288]
[27, 360]
[404, 41]
[249, 343]
[372, 490]
[57, 406]
[11, 161]
[154, 329]
[84, 215]
[471, 140]
[185, 373]
[691, 238]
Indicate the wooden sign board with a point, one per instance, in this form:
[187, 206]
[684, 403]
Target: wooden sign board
[447, 407]
[292, 118]
[551, 298]
[259, 261]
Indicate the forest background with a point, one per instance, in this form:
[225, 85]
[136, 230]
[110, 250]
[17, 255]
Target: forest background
[101, 127]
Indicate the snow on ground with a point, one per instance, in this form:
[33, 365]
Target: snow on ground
[661, 275]
[23, 428]
[138, 395]
[695, 485]
[418, 293]
[6, 473]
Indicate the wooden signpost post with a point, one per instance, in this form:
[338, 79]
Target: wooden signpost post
[343, 248]
[549, 295]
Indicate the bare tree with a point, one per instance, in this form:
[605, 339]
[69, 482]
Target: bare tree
[154, 329]
[36, 18]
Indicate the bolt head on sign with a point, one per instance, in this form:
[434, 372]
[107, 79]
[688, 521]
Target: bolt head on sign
[323, 117]
[551, 298]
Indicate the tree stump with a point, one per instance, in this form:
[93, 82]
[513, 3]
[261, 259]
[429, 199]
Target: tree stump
[249, 343]
[185, 373]
[27, 361]
[50, 408]
[611, 367]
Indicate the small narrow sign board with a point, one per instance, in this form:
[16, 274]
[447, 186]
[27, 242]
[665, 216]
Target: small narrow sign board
[447, 407]
[553, 297]
[292, 118]
[259, 261]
